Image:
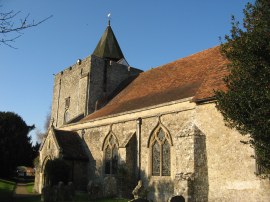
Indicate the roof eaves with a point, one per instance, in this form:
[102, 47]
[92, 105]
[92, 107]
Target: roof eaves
[42, 143]
[55, 139]
[204, 100]
[135, 110]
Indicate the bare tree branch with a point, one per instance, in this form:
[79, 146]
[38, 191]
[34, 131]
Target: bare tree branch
[9, 24]
[39, 134]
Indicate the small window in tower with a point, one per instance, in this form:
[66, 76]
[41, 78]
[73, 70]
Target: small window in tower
[66, 116]
[67, 102]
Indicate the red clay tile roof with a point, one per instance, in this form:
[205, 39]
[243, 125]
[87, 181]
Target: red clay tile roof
[212, 81]
[193, 76]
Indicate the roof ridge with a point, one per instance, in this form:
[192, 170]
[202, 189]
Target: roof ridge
[183, 58]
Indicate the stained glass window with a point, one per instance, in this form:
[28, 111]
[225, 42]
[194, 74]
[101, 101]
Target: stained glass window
[161, 135]
[166, 161]
[156, 158]
[161, 162]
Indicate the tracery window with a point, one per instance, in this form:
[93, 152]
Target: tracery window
[111, 155]
[161, 153]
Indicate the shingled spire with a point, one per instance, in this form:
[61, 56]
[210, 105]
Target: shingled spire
[108, 46]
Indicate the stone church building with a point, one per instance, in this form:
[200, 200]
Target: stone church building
[160, 126]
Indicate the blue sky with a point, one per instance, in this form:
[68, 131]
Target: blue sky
[150, 33]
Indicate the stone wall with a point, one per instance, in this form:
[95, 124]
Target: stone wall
[180, 126]
[70, 83]
[182, 149]
[48, 151]
[105, 77]
[94, 139]
[78, 174]
[207, 160]
[85, 83]
[116, 73]
[231, 170]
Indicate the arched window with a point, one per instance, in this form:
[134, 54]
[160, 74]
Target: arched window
[160, 145]
[111, 154]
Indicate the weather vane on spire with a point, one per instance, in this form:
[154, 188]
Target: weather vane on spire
[109, 19]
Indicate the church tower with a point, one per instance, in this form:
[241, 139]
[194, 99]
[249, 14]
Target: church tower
[89, 84]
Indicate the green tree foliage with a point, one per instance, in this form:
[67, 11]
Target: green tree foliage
[246, 103]
[57, 170]
[15, 144]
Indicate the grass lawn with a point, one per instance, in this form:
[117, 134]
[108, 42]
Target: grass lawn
[30, 187]
[6, 190]
[80, 197]
[7, 187]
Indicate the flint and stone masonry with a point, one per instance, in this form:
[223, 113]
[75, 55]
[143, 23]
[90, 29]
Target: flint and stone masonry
[161, 125]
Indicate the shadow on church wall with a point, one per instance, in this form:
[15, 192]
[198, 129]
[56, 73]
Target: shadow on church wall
[93, 165]
[158, 189]
[107, 185]
[201, 183]
[161, 190]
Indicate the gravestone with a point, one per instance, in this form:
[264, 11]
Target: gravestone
[70, 191]
[61, 195]
[94, 190]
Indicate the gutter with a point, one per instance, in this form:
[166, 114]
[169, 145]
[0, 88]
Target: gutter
[203, 100]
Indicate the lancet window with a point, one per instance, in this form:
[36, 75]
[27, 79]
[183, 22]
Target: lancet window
[111, 154]
[161, 153]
